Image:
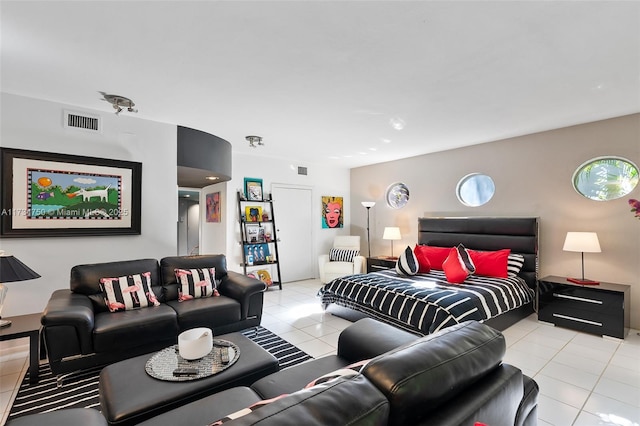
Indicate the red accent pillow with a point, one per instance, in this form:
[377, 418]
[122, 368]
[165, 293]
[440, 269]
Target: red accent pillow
[436, 255]
[490, 263]
[424, 266]
[454, 267]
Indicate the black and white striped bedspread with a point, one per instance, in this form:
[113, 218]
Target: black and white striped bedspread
[426, 302]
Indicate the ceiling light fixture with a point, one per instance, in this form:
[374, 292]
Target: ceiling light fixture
[211, 178]
[120, 103]
[254, 141]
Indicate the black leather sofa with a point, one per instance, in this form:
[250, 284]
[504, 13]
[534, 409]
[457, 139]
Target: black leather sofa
[79, 332]
[453, 377]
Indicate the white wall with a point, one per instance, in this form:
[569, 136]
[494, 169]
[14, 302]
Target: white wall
[323, 180]
[37, 125]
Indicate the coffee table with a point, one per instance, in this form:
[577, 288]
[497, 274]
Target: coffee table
[128, 395]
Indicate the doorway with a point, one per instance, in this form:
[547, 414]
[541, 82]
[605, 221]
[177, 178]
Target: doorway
[188, 222]
[294, 219]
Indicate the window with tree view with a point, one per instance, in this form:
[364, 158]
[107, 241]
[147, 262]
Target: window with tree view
[605, 178]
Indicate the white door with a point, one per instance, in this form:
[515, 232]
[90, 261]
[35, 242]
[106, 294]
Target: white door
[292, 207]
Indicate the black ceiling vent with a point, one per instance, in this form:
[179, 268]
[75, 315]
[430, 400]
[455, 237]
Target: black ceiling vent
[82, 121]
[302, 170]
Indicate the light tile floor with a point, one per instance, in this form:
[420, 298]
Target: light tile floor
[584, 380]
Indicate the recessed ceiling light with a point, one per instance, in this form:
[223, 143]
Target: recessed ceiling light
[362, 153]
[384, 140]
[333, 157]
[347, 156]
[397, 123]
[211, 178]
[373, 149]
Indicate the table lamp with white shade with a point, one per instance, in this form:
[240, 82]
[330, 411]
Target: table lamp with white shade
[11, 269]
[583, 242]
[391, 233]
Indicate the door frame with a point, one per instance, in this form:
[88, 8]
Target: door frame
[314, 248]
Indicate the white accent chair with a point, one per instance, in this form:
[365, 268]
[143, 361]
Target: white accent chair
[331, 270]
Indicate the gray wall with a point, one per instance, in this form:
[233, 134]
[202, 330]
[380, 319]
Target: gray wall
[532, 174]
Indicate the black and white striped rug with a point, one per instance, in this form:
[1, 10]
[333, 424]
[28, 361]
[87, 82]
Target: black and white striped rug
[81, 389]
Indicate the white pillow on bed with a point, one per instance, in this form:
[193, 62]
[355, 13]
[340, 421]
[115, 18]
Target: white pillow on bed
[407, 263]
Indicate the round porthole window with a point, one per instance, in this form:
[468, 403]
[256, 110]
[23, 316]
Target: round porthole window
[475, 189]
[605, 178]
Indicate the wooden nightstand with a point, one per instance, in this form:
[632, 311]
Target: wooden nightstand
[602, 309]
[378, 263]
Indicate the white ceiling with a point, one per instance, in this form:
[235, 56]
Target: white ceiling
[325, 82]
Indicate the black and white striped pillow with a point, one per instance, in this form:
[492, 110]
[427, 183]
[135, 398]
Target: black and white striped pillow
[465, 259]
[342, 255]
[407, 263]
[128, 292]
[515, 262]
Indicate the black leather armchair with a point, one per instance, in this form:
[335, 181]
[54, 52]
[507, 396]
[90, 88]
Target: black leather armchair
[79, 331]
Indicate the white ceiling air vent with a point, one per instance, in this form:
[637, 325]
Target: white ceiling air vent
[82, 121]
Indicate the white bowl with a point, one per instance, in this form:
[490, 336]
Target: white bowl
[195, 343]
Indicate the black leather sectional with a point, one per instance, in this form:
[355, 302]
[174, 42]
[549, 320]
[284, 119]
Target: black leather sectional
[453, 377]
[79, 332]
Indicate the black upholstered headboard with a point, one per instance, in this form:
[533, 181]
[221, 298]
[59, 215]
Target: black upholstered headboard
[520, 234]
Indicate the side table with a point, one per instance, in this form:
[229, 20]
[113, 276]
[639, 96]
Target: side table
[378, 263]
[26, 326]
[602, 309]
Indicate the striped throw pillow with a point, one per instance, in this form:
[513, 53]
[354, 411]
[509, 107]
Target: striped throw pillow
[342, 255]
[128, 292]
[515, 262]
[196, 283]
[407, 263]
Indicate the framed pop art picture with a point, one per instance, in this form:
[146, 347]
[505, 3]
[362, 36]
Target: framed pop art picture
[253, 189]
[47, 194]
[332, 212]
[213, 207]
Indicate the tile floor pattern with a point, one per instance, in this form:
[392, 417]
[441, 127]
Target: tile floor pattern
[584, 380]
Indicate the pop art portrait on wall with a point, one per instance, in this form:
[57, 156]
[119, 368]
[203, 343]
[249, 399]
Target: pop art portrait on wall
[213, 207]
[332, 212]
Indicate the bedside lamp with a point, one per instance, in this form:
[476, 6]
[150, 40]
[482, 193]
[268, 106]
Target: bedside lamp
[11, 269]
[582, 242]
[391, 233]
[368, 205]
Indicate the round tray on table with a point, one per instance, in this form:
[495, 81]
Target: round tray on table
[162, 364]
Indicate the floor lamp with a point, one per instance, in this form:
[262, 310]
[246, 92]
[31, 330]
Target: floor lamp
[368, 205]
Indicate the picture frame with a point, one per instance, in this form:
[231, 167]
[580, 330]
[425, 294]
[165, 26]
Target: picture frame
[47, 194]
[214, 206]
[253, 213]
[260, 252]
[253, 189]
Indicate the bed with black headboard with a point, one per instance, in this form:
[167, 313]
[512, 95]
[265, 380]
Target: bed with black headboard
[425, 303]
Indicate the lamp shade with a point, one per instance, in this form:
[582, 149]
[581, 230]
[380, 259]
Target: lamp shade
[368, 204]
[11, 269]
[586, 242]
[391, 233]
